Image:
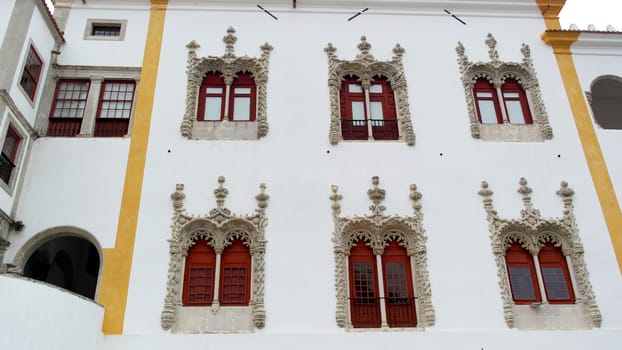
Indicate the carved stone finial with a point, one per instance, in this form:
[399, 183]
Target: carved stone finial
[192, 48]
[364, 46]
[460, 49]
[525, 191]
[485, 191]
[229, 41]
[398, 52]
[330, 50]
[266, 48]
[526, 51]
[415, 196]
[178, 197]
[492, 48]
[221, 193]
[376, 195]
[335, 197]
[566, 193]
[262, 197]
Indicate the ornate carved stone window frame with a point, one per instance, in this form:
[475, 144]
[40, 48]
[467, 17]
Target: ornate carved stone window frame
[378, 230]
[365, 67]
[532, 231]
[219, 228]
[228, 65]
[496, 72]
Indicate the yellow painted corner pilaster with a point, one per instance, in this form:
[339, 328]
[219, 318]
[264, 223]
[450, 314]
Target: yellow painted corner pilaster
[561, 42]
[118, 260]
[550, 10]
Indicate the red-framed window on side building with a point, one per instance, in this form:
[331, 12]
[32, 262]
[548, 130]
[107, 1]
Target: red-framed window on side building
[32, 73]
[68, 107]
[115, 108]
[9, 154]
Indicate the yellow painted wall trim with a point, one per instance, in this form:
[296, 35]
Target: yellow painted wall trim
[561, 41]
[550, 10]
[118, 260]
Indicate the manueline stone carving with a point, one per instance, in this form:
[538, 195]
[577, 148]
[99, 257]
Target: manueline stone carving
[532, 231]
[219, 228]
[366, 67]
[378, 229]
[228, 65]
[496, 72]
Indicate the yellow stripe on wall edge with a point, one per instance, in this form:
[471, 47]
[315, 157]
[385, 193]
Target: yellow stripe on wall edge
[561, 41]
[118, 260]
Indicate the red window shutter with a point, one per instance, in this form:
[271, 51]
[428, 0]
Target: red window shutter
[522, 275]
[243, 81]
[211, 81]
[384, 128]
[513, 93]
[352, 129]
[398, 287]
[364, 301]
[485, 94]
[235, 277]
[555, 274]
[199, 275]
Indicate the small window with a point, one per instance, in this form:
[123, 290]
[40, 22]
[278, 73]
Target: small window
[68, 107]
[105, 29]
[31, 73]
[115, 108]
[9, 154]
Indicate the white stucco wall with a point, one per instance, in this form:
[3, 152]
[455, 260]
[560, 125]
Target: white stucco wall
[38, 316]
[6, 7]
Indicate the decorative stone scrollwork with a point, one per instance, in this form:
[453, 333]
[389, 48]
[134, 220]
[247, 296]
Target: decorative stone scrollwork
[365, 66]
[532, 231]
[219, 228]
[228, 65]
[377, 230]
[496, 72]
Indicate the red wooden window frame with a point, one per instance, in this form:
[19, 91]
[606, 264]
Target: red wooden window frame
[235, 276]
[199, 275]
[243, 80]
[32, 73]
[518, 261]
[68, 107]
[364, 298]
[211, 80]
[512, 86]
[114, 111]
[555, 275]
[352, 129]
[483, 85]
[385, 128]
[398, 287]
[9, 154]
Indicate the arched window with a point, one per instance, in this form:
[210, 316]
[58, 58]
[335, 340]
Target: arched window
[242, 100]
[515, 103]
[364, 300]
[487, 102]
[199, 275]
[212, 98]
[235, 275]
[555, 275]
[607, 102]
[398, 286]
[522, 275]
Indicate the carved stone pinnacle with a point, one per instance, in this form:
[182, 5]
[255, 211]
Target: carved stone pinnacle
[221, 193]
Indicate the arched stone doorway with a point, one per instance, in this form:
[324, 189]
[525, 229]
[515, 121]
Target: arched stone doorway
[65, 257]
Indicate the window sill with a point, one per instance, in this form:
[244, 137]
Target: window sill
[510, 133]
[551, 316]
[224, 130]
[385, 329]
[206, 319]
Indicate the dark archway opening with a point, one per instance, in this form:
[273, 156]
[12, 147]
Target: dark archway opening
[71, 263]
[607, 102]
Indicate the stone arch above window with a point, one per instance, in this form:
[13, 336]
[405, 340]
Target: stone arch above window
[243, 112]
[378, 232]
[533, 233]
[520, 110]
[605, 97]
[219, 229]
[390, 125]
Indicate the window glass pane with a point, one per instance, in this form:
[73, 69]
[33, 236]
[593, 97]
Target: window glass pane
[212, 108]
[511, 94]
[355, 88]
[364, 289]
[484, 94]
[555, 283]
[242, 108]
[375, 89]
[214, 90]
[200, 285]
[234, 285]
[376, 110]
[522, 285]
[358, 110]
[487, 112]
[396, 282]
[515, 112]
[242, 90]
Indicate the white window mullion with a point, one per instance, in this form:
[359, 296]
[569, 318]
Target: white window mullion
[370, 135]
[225, 118]
[216, 302]
[536, 263]
[573, 280]
[504, 114]
[383, 310]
